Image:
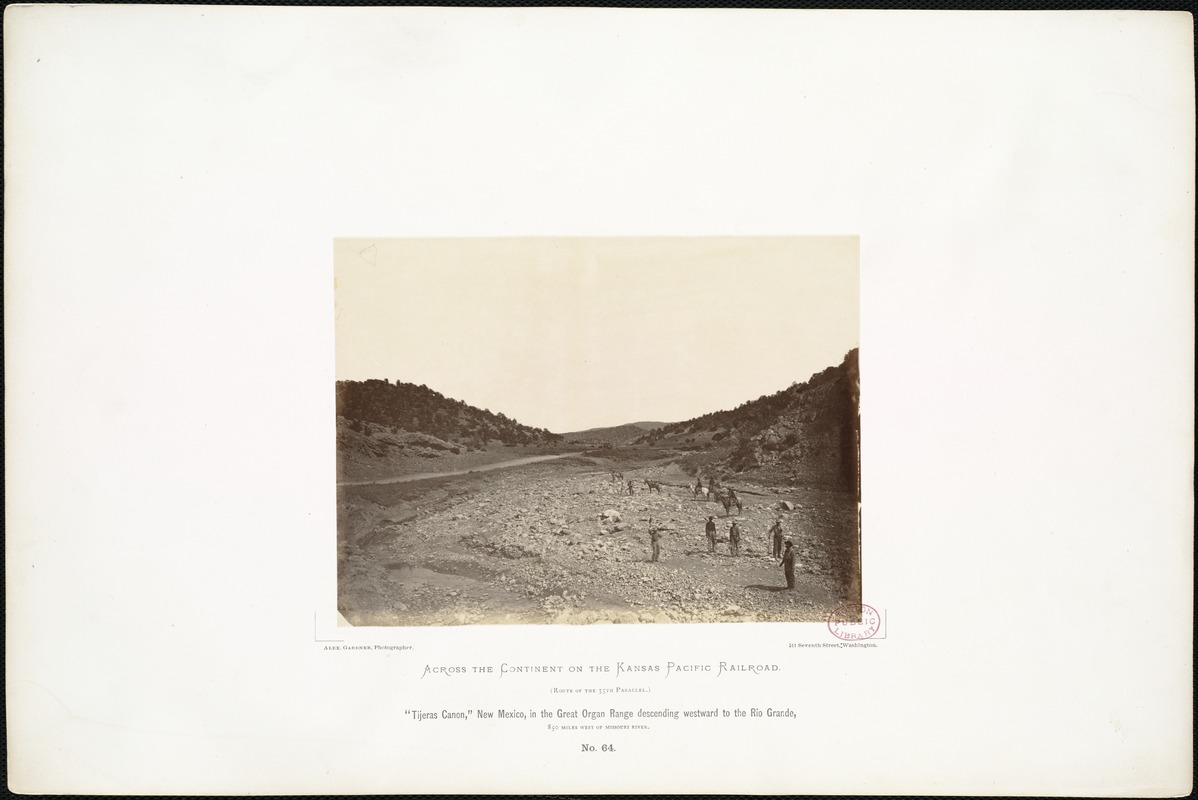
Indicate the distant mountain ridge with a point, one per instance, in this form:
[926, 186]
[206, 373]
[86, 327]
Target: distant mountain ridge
[618, 434]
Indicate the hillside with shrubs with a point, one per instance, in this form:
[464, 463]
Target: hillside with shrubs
[379, 406]
[805, 434]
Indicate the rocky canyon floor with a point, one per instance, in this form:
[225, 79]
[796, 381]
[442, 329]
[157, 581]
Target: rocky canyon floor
[561, 542]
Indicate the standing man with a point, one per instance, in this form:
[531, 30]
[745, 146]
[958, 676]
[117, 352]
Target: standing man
[788, 565]
[776, 530]
[630, 487]
[734, 539]
[711, 534]
[655, 540]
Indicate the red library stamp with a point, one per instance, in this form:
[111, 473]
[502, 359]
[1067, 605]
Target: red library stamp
[854, 622]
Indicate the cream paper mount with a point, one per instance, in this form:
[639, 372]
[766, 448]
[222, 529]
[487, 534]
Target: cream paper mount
[1019, 188]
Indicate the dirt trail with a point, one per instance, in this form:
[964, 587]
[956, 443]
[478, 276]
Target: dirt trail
[423, 476]
[532, 544]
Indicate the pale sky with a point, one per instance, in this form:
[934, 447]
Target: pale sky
[576, 333]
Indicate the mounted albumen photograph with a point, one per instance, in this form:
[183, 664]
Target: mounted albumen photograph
[597, 430]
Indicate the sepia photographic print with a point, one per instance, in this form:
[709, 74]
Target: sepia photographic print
[573, 431]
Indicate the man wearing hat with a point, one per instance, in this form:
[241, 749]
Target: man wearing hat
[655, 539]
[711, 534]
[788, 565]
[777, 531]
[734, 539]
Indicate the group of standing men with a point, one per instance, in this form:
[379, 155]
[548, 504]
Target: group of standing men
[787, 557]
[787, 561]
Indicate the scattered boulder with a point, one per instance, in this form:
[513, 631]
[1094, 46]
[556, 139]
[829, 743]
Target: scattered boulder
[611, 515]
[786, 505]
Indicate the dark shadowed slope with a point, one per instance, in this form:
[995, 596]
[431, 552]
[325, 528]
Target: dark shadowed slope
[395, 407]
[807, 434]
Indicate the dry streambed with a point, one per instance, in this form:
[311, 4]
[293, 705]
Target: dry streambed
[562, 543]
